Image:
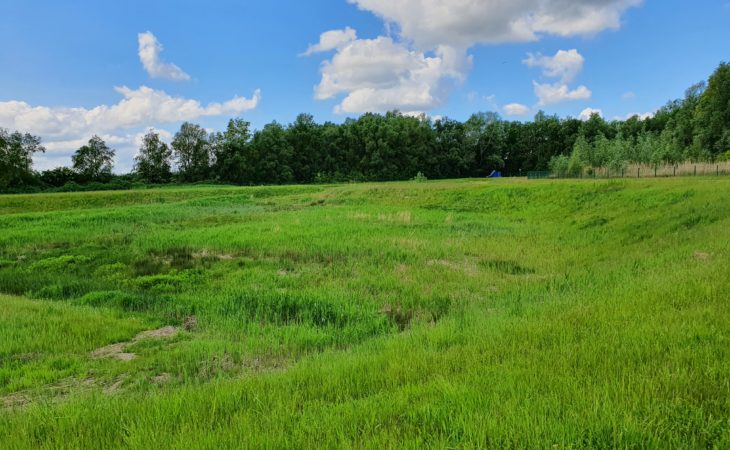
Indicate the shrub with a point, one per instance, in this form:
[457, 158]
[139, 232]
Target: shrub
[559, 165]
[419, 178]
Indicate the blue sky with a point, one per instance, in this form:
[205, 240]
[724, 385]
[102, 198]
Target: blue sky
[72, 69]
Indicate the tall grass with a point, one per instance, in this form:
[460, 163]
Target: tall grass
[567, 314]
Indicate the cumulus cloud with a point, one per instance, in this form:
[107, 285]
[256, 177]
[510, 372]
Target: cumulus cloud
[380, 74]
[331, 40]
[552, 94]
[463, 23]
[138, 107]
[149, 54]
[429, 54]
[123, 124]
[65, 129]
[588, 112]
[516, 109]
[565, 64]
[126, 146]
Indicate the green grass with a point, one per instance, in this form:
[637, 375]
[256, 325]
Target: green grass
[501, 313]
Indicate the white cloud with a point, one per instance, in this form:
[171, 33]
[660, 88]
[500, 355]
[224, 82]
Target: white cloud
[380, 74]
[416, 70]
[516, 109]
[463, 23]
[64, 129]
[149, 54]
[123, 124]
[551, 94]
[641, 116]
[566, 64]
[139, 107]
[331, 40]
[126, 146]
[588, 112]
[111, 140]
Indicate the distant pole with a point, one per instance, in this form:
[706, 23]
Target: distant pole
[638, 172]
[718, 170]
[675, 171]
[654, 171]
[695, 170]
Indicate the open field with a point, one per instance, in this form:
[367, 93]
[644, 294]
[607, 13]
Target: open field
[502, 313]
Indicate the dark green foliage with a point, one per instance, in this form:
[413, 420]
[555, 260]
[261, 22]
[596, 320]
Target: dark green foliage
[193, 152]
[269, 157]
[229, 150]
[16, 158]
[152, 164]
[712, 120]
[94, 161]
[58, 177]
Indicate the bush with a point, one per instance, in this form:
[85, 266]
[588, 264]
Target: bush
[575, 165]
[419, 178]
[58, 177]
[559, 165]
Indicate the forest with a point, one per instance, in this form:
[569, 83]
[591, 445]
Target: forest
[393, 146]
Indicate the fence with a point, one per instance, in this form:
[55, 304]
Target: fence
[644, 171]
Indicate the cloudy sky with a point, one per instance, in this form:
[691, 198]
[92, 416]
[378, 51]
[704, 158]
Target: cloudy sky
[72, 69]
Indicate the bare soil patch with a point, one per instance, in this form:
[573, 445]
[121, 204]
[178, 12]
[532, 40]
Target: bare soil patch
[118, 350]
[702, 256]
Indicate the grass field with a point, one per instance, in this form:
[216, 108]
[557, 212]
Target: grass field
[499, 314]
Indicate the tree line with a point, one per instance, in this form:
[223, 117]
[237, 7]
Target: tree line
[394, 146]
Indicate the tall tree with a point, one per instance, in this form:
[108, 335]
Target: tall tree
[270, 156]
[230, 151]
[453, 157]
[193, 152]
[304, 136]
[16, 157]
[152, 163]
[94, 161]
[712, 121]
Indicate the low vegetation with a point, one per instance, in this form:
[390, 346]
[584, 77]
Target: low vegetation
[501, 313]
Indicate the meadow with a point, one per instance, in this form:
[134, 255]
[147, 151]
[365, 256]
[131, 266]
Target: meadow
[447, 314]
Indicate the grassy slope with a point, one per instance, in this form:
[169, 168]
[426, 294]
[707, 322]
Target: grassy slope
[503, 313]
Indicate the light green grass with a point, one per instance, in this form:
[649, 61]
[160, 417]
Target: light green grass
[503, 313]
